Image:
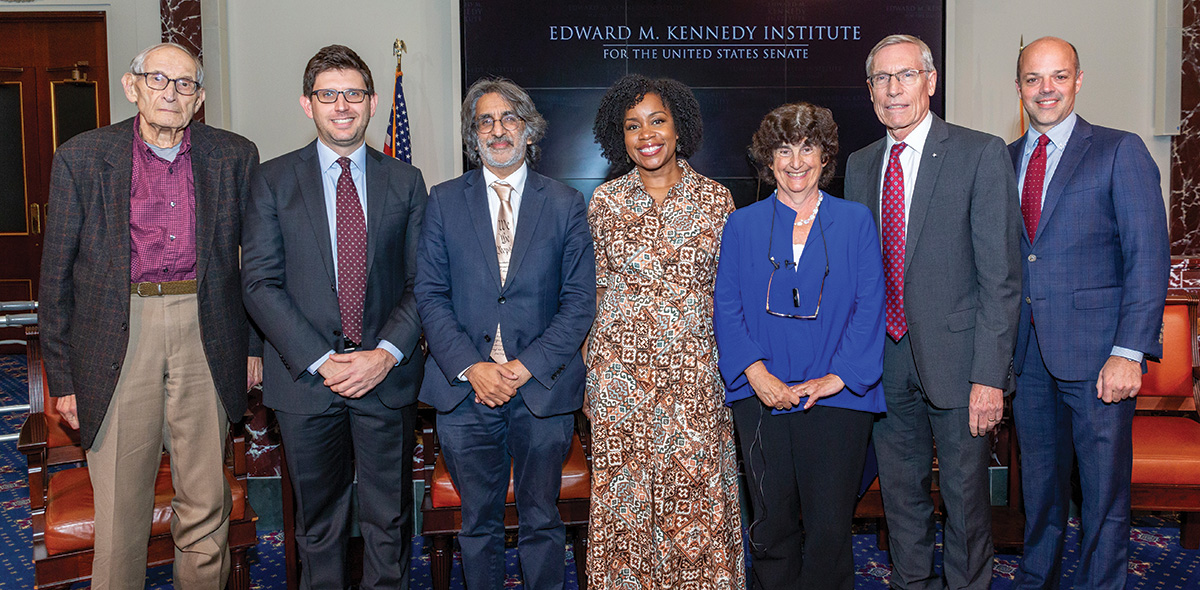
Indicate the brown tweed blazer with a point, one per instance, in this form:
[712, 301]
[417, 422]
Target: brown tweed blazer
[84, 296]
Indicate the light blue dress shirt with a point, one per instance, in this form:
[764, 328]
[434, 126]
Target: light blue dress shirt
[330, 172]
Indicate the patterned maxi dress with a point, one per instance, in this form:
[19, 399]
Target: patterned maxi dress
[664, 511]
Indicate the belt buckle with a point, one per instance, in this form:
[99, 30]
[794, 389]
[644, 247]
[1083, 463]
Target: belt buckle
[157, 286]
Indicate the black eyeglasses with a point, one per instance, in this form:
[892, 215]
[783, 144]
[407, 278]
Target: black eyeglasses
[157, 81]
[485, 123]
[906, 78]
[795, 292]
[330, 96]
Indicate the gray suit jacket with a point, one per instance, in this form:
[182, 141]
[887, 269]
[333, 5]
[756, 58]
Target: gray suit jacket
[291, 291]
[84, 293]
[962, 271]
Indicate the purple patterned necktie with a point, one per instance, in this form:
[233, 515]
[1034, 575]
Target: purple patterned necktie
[351, 255]
[893, 244]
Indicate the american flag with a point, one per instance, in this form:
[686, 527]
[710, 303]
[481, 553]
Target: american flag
[398, 144]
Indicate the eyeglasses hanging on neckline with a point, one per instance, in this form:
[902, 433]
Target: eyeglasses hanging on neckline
[795, 291]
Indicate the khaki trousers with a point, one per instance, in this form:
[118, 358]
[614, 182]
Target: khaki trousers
[165, 396]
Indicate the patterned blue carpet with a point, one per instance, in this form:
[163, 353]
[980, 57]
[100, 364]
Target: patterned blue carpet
[1156, 560]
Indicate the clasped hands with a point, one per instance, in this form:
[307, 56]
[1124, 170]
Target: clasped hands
[776, 394]
[354, 374]
[496, 383]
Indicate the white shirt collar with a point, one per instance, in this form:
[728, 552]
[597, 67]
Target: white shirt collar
[516, 180]
[916, 138]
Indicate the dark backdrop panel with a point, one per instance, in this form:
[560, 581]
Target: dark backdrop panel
[74, 109]
[741, 57]
[12, 161]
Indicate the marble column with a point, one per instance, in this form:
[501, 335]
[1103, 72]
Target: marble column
[1185, 147]
[181, 24]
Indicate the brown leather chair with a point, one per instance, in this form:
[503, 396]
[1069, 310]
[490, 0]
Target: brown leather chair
[1166, 433]
[61, 502]
[441, 509]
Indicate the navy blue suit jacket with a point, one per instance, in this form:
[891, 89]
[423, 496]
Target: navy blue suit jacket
[291, 291]
[1096, 273]
[545, 307]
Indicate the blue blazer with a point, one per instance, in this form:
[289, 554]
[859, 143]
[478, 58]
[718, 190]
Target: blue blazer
[545, 307]
[845, 339]
[1096, 273]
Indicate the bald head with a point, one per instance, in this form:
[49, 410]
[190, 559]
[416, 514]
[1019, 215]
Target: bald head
[1048, 78]
[1048, 43]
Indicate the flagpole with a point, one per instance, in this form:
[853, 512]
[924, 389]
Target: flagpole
[398, 49]
[1020, 105]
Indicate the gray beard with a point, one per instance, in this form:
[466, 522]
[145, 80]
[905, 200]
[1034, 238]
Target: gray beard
[486, 155]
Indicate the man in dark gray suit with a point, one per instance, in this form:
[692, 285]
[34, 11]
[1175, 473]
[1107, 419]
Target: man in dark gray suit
[506, 287]
[946, 201]
[142, 324]
[330, 256]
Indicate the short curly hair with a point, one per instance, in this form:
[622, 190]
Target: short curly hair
[625, 94]
[796, 123]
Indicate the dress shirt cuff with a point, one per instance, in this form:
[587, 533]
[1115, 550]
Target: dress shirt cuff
[1128, 353]
[388, 346]
[463, 375]
[317, 365]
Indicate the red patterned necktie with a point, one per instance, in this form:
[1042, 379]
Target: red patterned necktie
[1031, 192]
[351, 254]
[893, 244]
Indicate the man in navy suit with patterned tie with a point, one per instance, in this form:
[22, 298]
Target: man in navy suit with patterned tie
[1096, 260]
[329, 259]
[506, 288]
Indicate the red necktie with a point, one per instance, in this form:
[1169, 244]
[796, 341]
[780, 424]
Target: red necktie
[351, 254]
[893, 244]
[1031, 192]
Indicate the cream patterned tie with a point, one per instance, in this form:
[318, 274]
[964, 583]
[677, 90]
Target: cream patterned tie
[504, 243]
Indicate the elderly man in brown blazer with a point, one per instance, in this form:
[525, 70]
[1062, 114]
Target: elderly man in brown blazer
[145, 337]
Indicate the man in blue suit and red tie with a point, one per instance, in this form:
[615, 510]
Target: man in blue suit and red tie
[1096, 260]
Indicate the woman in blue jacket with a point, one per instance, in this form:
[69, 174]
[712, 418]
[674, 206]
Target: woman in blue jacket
[798, 315]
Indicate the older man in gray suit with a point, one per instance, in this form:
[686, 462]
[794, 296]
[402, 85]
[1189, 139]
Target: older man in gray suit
[946, 201]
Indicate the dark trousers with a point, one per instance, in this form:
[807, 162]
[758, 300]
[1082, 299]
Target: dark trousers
[904, 440]
[803, 460]
[324, 452]
[1055, 421]
[479, 444]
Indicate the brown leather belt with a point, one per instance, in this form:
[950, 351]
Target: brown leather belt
[166, 288]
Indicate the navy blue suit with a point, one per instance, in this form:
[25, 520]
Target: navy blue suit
[544, 308]
[1094, 277]
[291, 292]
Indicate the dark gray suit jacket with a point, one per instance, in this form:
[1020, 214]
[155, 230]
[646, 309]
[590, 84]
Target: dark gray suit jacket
[962, 277]
[545, 307]
[291, 291]
[84, 293]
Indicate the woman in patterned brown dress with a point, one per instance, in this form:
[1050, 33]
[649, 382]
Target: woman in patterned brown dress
[664, 511]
